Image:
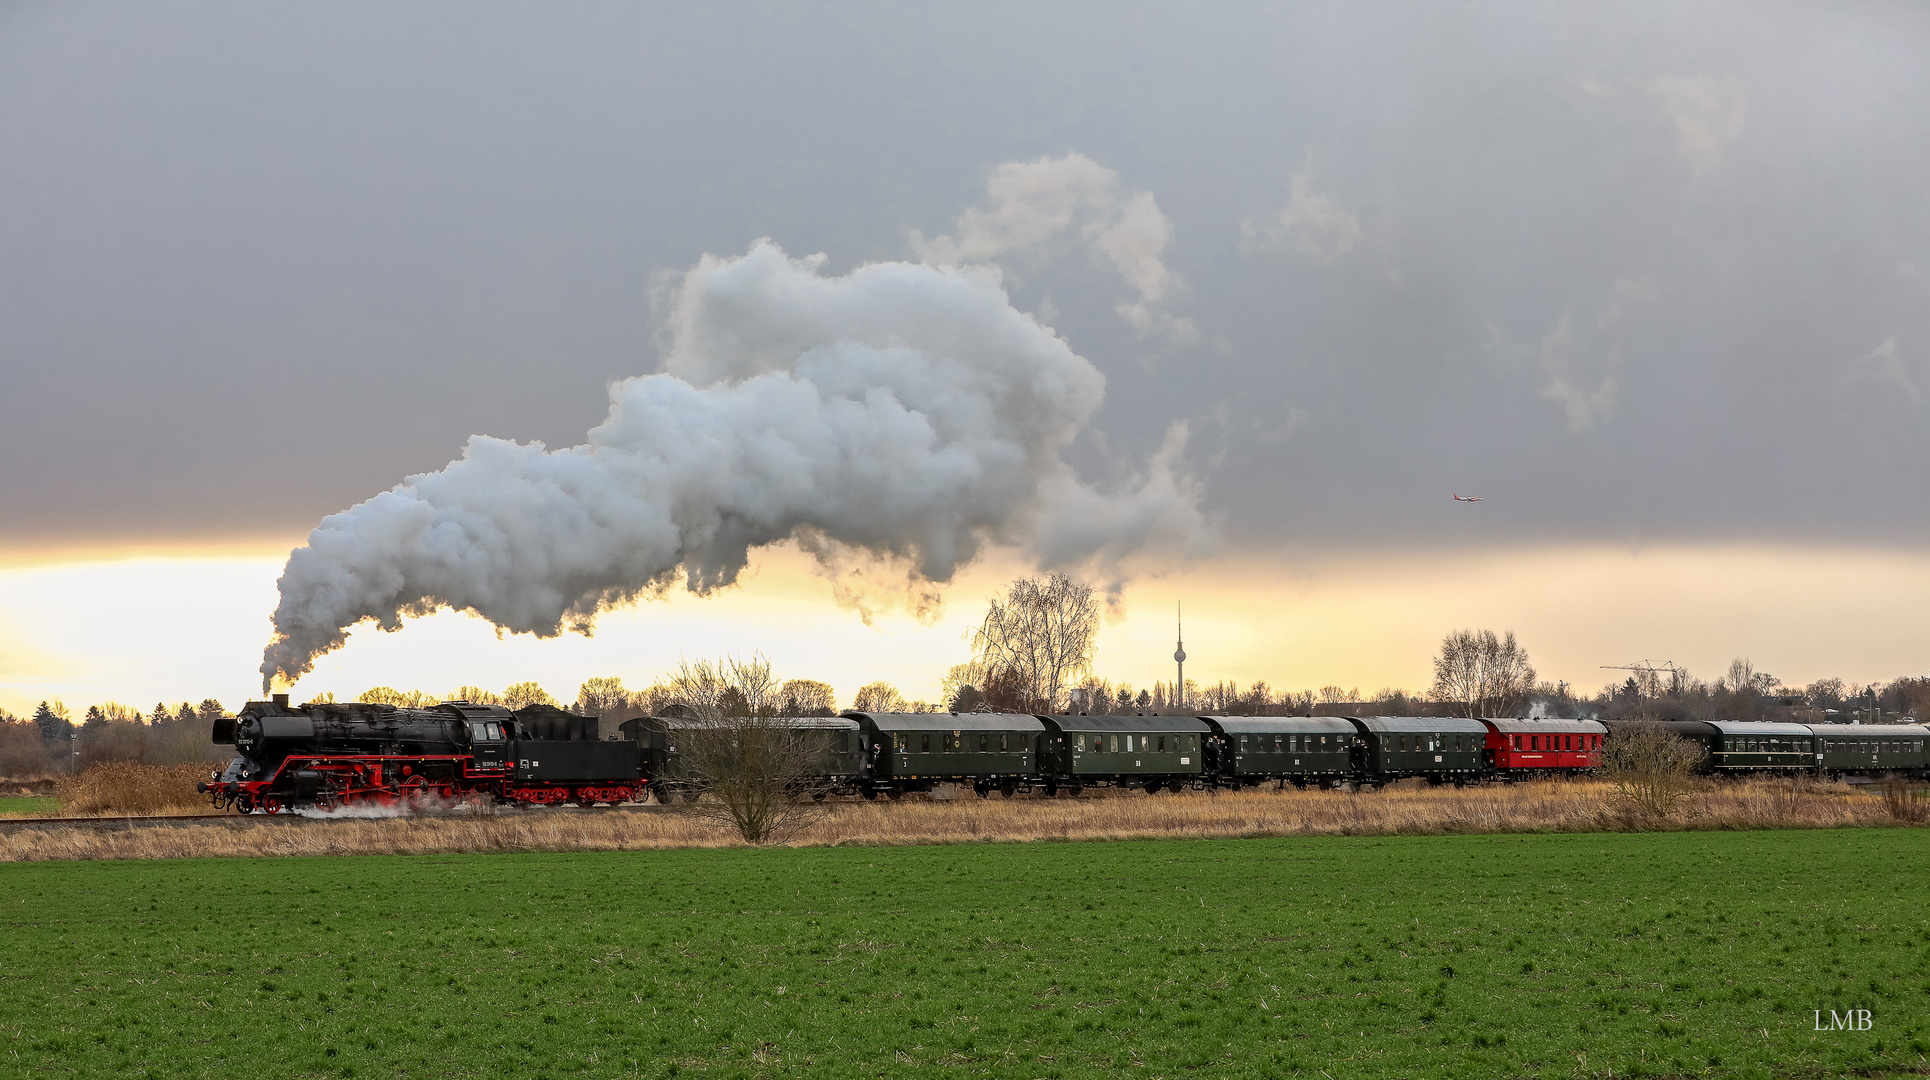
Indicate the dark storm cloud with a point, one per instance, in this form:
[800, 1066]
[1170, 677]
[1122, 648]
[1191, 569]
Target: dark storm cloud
[1629, 273]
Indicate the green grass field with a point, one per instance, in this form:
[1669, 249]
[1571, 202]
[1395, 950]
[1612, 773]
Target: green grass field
[1673, 954]
[19, 805]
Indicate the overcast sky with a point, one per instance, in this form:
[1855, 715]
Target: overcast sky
[1632, 273]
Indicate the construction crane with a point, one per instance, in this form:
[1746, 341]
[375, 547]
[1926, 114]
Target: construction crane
[1648, 680]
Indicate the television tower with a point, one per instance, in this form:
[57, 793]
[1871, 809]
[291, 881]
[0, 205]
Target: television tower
[1179, 654]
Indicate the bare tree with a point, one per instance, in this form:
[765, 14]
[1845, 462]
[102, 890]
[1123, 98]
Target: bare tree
[756, 769]
[600, 695]
[1651, 769]
[389, 695]
[1339, 693]
[807, 697]
[878, 697]
[475, 695]
[1480, 674]
[1041, 635]
[23, 753]
[1092, 695]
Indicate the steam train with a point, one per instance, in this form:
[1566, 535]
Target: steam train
[325, 756]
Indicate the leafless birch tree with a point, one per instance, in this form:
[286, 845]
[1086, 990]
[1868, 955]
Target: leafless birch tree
[1480, 674]
[1040, 638]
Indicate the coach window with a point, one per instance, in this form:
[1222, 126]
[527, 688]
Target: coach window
[1517, 742]
[924, 742]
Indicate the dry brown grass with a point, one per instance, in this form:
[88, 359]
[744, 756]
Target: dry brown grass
[126, 787]
[1577, 806]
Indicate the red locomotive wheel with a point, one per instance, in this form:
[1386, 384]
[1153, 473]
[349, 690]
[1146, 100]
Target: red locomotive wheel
[415, 792]
[270, 805]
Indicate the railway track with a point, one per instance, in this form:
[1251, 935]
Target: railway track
[249, 820]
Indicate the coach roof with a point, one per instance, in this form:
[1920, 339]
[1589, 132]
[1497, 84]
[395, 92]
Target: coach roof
[1267, 725]
[1125, 723]
[1758, 727]
[1540, 725]
[1418, 723]
[1857, 731]
[974, 721]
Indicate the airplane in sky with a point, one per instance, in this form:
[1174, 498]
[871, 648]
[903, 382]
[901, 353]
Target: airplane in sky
[1458, 497]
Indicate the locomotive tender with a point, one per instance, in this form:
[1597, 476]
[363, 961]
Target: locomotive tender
[323, 756]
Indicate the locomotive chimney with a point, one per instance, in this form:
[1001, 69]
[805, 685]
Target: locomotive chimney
[281, 701]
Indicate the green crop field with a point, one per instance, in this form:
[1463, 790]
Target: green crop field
[18, 805]
[1680, 954]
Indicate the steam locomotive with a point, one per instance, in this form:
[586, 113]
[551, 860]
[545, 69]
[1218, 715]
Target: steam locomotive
[325, 756]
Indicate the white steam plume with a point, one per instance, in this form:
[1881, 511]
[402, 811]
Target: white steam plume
[1034, 202]
[905, 412]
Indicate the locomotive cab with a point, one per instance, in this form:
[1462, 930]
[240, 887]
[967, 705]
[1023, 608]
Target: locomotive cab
[489, 742]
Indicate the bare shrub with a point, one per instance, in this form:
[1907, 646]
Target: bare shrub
[1902, 804]
[752, 771]
[129, 787]
[1650, 770]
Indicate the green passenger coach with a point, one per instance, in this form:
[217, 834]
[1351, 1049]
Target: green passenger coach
[838, 766]
[917, 751]
[1441, 748]
[1150, 752]
[1245, 751]
[1755, 746]
[1870, 748]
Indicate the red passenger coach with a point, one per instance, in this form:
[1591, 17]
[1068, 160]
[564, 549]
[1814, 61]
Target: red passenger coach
[1524, 749]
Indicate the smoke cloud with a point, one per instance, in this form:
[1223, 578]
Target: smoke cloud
[905, 413]
[1034, 202]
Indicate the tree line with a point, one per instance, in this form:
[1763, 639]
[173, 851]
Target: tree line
[1033, 652]
[51, 740]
